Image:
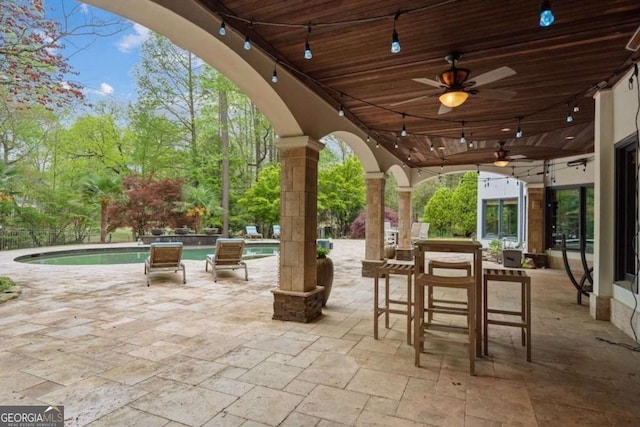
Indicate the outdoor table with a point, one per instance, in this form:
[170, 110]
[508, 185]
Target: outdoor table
[457, 246]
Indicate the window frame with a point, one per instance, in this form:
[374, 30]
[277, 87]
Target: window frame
[582, 217]
[501, 203]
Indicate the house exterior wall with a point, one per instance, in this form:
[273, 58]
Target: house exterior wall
[500, 187]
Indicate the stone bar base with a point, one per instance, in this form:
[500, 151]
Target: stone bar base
[600, 307]
[368, 267]
[404, 254]
[303, 307]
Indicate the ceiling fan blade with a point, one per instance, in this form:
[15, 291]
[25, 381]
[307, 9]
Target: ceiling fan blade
[493, 75]
[444, 109]
[406, 101]
[496, 94]
[429, 82]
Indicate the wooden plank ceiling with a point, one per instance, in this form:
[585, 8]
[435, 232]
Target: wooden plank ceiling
[555, 67]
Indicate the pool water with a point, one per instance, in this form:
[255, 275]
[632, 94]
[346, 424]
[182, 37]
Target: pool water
[109, 256]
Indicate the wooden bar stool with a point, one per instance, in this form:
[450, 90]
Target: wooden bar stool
[386, 270]
[447, 306]
[511, 276]
[425, 280]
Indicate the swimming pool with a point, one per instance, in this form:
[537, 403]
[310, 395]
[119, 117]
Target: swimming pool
[131, 255]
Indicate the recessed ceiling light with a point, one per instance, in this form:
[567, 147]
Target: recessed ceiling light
[441, 147]
[505, 129]
[569, 138]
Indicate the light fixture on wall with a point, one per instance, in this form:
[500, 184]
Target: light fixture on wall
[546, 15]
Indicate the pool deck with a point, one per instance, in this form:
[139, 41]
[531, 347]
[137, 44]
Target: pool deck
[116, 352]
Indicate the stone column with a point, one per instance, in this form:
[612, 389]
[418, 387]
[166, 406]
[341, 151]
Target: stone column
[604, 202]
[535, 218]
[374, 227]
[298, 298]
[404, 251]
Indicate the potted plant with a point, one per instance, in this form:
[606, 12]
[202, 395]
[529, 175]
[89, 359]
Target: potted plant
[157, 231]
[324, 272]
[182, 230]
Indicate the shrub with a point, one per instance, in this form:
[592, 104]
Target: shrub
[6, 284]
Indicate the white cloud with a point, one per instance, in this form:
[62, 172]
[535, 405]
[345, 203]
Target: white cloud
[106, 88]
[130, 42]
[84, 7]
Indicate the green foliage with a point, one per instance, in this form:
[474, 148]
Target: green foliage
[341, 194]
[321, 252]
[465, 201]
[261, 202]
[438, 211]
[6, 283]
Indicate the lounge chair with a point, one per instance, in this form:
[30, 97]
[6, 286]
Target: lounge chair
[419, 231]
[252, 232]
[228, 256]
[276, 232]
[165, 256]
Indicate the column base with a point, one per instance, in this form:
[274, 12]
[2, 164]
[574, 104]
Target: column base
[404, 254]
[369, 265]
[302, 307]
[599, 307]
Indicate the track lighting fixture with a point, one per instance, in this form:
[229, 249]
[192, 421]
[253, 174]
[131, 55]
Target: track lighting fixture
[395, 41]
[274, 76]
[307, 48]
[247, 43]
[519, 131]
[546, 15]
[223, 29]
[463, 140]
[404, 127]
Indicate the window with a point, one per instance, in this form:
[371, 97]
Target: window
[625, 211]
[570, 213]
[500, 218]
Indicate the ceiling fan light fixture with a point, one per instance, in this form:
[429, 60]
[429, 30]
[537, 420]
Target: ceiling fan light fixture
[501, 163]
[546, 15]
[453, 98]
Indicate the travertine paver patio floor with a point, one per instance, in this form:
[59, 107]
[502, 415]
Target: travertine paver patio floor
[115, 352]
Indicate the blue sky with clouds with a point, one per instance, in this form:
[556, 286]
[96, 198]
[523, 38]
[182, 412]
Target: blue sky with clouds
[105, 64]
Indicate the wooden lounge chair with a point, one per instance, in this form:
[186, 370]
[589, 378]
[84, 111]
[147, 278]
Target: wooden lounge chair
[252, 232]
[228, 256]
[165, 256]
[419, 231]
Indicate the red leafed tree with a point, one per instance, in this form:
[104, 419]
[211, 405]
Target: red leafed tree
[147, 203]
[32, 67]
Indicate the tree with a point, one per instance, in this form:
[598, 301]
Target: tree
[32, 68]
[105, 189]
[359, 224]
[261, 202]
[438, 211]
[147, 203]
[465, 201]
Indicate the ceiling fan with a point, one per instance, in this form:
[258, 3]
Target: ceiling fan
[457, 86]
[502, 156]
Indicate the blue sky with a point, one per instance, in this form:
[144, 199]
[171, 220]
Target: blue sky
[105, 64]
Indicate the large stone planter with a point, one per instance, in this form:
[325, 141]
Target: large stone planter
[157, 231]
[211, 230]
[325, 277]
[183, 230]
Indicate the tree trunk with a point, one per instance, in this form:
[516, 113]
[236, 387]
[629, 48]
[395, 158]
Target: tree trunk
[103, 220]
[224, 139]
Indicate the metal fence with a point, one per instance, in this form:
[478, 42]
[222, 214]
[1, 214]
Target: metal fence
[20, 238]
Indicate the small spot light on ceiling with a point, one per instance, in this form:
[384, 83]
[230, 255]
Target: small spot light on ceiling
[575, 106]
[546, 15]
[341, 108]
[223, 29]
[570, 117]
[396, 143]
[395, 41]
[307, 48]
[247, 43]
[274, 76]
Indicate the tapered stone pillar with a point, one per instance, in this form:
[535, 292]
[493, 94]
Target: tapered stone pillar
[535, 218]
[374, 227]
[404, 251]
[298, 298]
